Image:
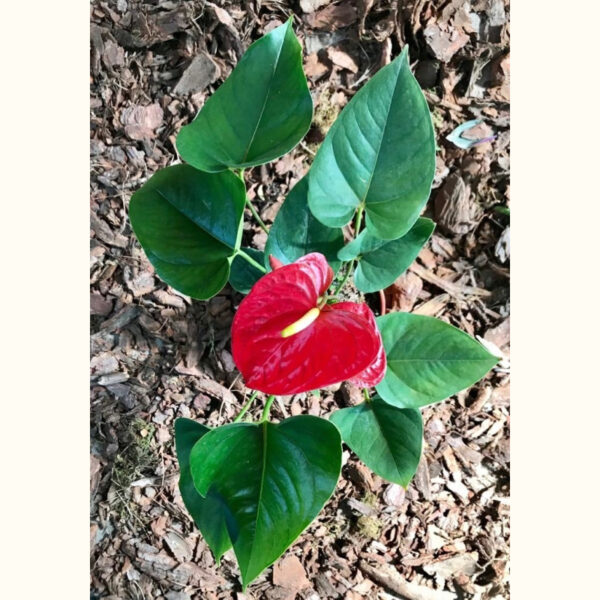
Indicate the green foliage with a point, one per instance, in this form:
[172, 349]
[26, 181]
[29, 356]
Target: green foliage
[189, 224]
[382, 261]
[379, 154]
[386, 438]
[255, 487]
[261, 112]
[296, 232]
[209, 512]
[428, 360]
[244, 274]
[274, 478]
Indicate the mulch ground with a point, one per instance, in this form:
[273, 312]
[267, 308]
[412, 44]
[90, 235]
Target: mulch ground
[157, 355]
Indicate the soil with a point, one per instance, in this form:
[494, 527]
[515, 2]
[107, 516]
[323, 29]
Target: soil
[157, 355]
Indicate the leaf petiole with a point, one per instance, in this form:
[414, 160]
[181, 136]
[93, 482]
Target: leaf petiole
[251, 261]
[267, 409]
[343, 282]
[246, 406]
[256, 215]
[357, 222]
[358, 219]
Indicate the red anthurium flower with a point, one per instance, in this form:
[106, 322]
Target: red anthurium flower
[287, 340]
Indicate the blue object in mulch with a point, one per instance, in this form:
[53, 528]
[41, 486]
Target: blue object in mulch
[464, 143]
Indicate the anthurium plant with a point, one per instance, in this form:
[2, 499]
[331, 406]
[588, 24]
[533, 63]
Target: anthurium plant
[255, 486]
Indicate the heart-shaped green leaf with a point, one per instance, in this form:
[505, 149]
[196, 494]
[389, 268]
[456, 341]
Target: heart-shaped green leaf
[261, 112]
[296, 232]
[208, 513]
[428, 360]
[243, 274]
[379, 153]
[381, 261]
[386, 438]
[189, 224]
[275, 478]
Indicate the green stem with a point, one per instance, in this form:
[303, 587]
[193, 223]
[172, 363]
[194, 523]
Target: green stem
[251, 261]
[357, 220]
[343, 282]
[256, 215]
[246, 406]
[267, 409]
[366, 395]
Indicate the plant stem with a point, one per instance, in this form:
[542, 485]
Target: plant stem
[256, 215]
[366, 395]
[246, 406]
[267, 409]
[358, 219]
[343, 282]
[253, 210]
[251, 261]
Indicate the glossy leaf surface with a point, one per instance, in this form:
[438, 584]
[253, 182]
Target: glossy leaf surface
[275, 478]
[382, 261]
[379, 153]
[243, 274]
[188, 223]
[428, 360]
[209, 512]
[330, 344]
[296, 232]
[386, 438]
[260, 112]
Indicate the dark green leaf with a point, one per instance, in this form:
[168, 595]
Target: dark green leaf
[275, 478]
[261, 112]
[381, 261]
[208, 513]
[189, 224]
[428, 360]
[296, 232]
[386, 438]
[379, 153]
[243, 274]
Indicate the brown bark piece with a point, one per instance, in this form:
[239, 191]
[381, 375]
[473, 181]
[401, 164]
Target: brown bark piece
[290, 574]
[454, 209]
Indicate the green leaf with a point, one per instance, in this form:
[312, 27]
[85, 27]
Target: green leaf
[379, 153]
[386, 438]
[208, 513]
[261, 112]
[189, 224]
[381, 261]
[296, 232]
[275, 478]
[243, 274]
[428, 360]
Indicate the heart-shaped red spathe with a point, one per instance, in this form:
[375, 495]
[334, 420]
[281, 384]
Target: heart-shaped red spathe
[341, 343]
